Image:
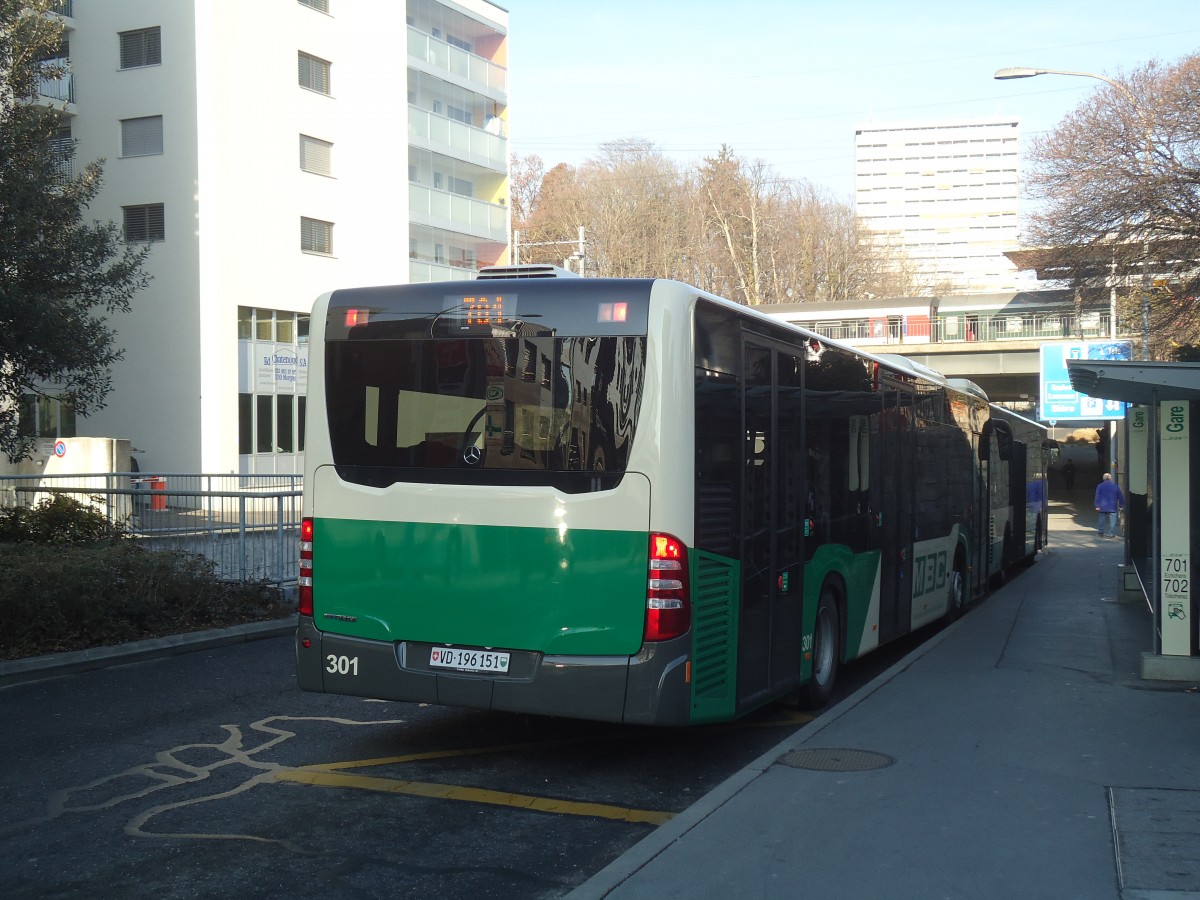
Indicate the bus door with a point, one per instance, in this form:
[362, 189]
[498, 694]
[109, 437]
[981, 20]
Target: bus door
[995, 454]
[771, 536]
[1018, 500]
[894, 531]
[981, 535]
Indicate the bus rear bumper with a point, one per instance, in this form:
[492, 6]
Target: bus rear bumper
[649, 688]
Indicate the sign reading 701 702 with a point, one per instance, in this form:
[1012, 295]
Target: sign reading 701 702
[1059, 401]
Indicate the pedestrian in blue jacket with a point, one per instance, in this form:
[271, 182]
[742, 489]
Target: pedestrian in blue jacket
[1109, 500]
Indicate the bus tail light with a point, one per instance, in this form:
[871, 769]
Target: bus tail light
[668, 610]
[305, 606]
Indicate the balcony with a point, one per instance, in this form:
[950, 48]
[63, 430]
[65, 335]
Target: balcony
[454, 212]
[61, 88]
[455, 139]
[444, 59]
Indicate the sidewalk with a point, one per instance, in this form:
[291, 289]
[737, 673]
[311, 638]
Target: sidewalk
[1016, 754]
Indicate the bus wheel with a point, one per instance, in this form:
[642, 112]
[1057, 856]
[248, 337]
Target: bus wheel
[1037, 544]
[816, 692]
[958, 590]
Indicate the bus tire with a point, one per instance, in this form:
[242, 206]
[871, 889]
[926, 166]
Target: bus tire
[958, 588]
[827, 634]
[1037, 544]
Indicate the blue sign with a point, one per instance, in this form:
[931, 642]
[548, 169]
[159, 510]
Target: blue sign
[1059, 401]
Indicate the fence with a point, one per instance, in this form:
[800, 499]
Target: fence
[962, 327]
[248, 525]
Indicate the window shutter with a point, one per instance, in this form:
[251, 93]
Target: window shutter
[144, 224]
[314, 73]
[316, 155]
[316, 236]
[141, 48]
[142, 137]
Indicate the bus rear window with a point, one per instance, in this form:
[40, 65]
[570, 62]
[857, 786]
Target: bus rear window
[523, 409]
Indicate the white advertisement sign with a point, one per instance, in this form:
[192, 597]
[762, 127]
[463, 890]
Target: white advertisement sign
[282, 368]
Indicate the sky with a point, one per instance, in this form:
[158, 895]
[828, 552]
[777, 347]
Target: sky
[788, 81]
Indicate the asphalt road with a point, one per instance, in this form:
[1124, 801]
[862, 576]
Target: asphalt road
[210, 774]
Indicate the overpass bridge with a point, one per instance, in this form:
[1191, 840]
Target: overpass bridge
[992, 339]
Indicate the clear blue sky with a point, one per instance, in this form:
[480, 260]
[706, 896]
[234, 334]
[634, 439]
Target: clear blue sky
[787, 81]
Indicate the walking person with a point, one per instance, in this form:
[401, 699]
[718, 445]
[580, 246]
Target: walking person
[1109, 500]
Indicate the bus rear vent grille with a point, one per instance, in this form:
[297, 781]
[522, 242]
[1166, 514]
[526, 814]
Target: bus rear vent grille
[714, 625]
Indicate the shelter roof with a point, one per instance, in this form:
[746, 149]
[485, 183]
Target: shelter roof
[1135, 382]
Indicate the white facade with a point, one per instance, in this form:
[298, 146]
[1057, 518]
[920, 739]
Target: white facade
[947, 194]
[279, 140]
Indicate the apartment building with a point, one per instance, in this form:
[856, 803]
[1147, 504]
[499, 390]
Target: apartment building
[946, 193]
[268, 152]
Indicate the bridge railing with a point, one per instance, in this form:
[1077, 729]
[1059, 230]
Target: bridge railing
[966, 328]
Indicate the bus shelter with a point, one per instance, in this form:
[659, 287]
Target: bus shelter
[1161, 484]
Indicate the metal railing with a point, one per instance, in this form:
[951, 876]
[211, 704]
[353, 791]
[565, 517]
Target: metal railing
[248, 525]
[962, 328]
[61, 87]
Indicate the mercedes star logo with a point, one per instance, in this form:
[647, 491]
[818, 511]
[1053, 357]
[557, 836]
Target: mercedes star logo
[472, 455]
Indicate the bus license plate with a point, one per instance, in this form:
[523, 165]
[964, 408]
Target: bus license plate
[468, 660]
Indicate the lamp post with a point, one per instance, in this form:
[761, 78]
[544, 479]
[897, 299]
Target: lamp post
[1026, 72]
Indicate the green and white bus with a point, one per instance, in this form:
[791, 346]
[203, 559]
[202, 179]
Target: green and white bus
[623, 499]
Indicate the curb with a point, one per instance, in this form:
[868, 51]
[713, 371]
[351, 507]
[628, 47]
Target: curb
[35, 668]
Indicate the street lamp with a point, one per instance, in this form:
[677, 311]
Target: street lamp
[1026, 72]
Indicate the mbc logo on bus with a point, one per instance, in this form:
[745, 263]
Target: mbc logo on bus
[929, 573]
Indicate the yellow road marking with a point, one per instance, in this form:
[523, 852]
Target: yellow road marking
[785, 717]
[331, 775]
[435, 754]
[318, 776]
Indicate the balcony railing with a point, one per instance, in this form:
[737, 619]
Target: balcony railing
[457, 61]
[423, 271]
[460, 140]
[60, 88]
[961, 328]
[454, 212]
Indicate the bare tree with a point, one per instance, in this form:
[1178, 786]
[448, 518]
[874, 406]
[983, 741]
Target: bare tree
[1119, 178]
[742, 205]
[525, 185]
[634, 206]
[548, 211]
[731, 226]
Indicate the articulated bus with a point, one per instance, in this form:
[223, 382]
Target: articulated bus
[631, 501]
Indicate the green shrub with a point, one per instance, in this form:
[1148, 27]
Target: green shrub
[58, 519]
[75, 596]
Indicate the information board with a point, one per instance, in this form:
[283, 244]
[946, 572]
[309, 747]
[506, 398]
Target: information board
[1061, 403]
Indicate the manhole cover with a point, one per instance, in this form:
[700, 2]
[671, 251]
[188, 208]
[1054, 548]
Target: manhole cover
[836, 760]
